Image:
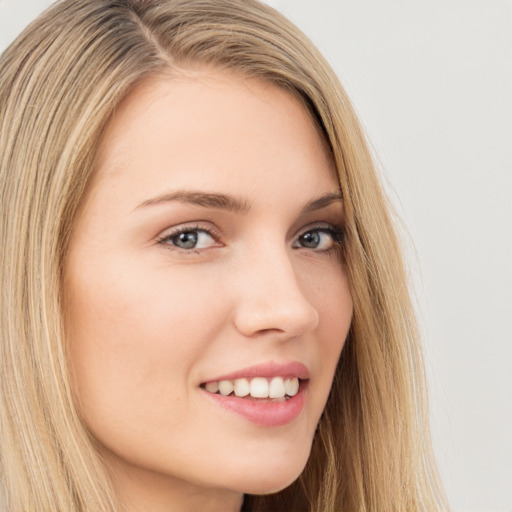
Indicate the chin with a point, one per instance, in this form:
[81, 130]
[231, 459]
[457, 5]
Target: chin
[275, 476]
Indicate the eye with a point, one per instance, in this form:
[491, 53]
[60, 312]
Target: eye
[189, 239]
[320, 239]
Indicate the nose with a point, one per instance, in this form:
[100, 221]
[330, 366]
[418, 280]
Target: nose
[271, 300]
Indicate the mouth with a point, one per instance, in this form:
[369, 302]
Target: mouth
[267, 395]
[275, 389]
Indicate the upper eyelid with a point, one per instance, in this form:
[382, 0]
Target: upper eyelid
[319, 226]
[164, 241]
[332, 229]
[216, 233]
[194, 226]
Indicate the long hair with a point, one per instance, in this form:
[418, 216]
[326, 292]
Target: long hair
[60, 83]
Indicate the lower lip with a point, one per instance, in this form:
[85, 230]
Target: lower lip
[265, 414]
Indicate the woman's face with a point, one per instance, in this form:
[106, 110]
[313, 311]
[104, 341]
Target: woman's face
[206, 251]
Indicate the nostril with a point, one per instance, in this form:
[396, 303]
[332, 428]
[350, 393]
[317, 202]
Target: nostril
[271, 300]
[288, 319]
[263, 332]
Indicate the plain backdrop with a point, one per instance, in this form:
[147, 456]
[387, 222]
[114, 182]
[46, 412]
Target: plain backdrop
[432, 83]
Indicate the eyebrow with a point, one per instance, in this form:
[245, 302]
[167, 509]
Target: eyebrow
[204, 199]
[323, 202]
[231, 203]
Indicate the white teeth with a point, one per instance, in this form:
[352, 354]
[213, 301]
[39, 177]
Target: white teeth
[212, 387]
[259, 387]
[291, 386]
[225, 387]
[276, 388]
[242, 387]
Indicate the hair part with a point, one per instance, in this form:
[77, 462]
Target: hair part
[61, 83]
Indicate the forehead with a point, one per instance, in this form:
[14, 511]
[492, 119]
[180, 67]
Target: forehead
[209, 129]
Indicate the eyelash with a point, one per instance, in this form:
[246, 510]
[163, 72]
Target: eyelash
[165, 239]
[336, 233]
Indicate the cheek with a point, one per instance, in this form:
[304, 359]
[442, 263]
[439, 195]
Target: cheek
[337, 310]
[329, 292]
[133, 336]
[333, 301]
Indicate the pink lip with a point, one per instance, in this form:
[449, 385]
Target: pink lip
[265, 414]
[261, 412]
[293, 369]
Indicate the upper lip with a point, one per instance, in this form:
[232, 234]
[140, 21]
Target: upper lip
[271, 369]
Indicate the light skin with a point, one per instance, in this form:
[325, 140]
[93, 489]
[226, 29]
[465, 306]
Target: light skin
[238, 167]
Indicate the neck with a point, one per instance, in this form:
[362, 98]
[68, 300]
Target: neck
[149, 491]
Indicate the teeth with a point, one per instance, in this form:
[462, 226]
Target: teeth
[276, 388]
[225, 387]
[259, 387]
[242, 387]
[212, 387]
[291, 386]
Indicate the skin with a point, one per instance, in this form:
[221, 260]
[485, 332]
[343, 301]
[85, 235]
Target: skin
[148, 322]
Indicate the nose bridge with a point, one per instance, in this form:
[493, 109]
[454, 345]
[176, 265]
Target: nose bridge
[271, 298]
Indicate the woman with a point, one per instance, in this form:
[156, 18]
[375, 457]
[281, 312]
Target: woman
[203, 303]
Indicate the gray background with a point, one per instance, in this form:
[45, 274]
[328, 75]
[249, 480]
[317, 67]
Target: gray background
[432, 82]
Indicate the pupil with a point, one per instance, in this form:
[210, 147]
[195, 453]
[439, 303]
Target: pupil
[310, 239]
[186, 240]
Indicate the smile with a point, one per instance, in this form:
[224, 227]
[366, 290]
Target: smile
[268, 395]
[257, 387]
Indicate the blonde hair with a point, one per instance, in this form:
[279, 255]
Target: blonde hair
[61, 82]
